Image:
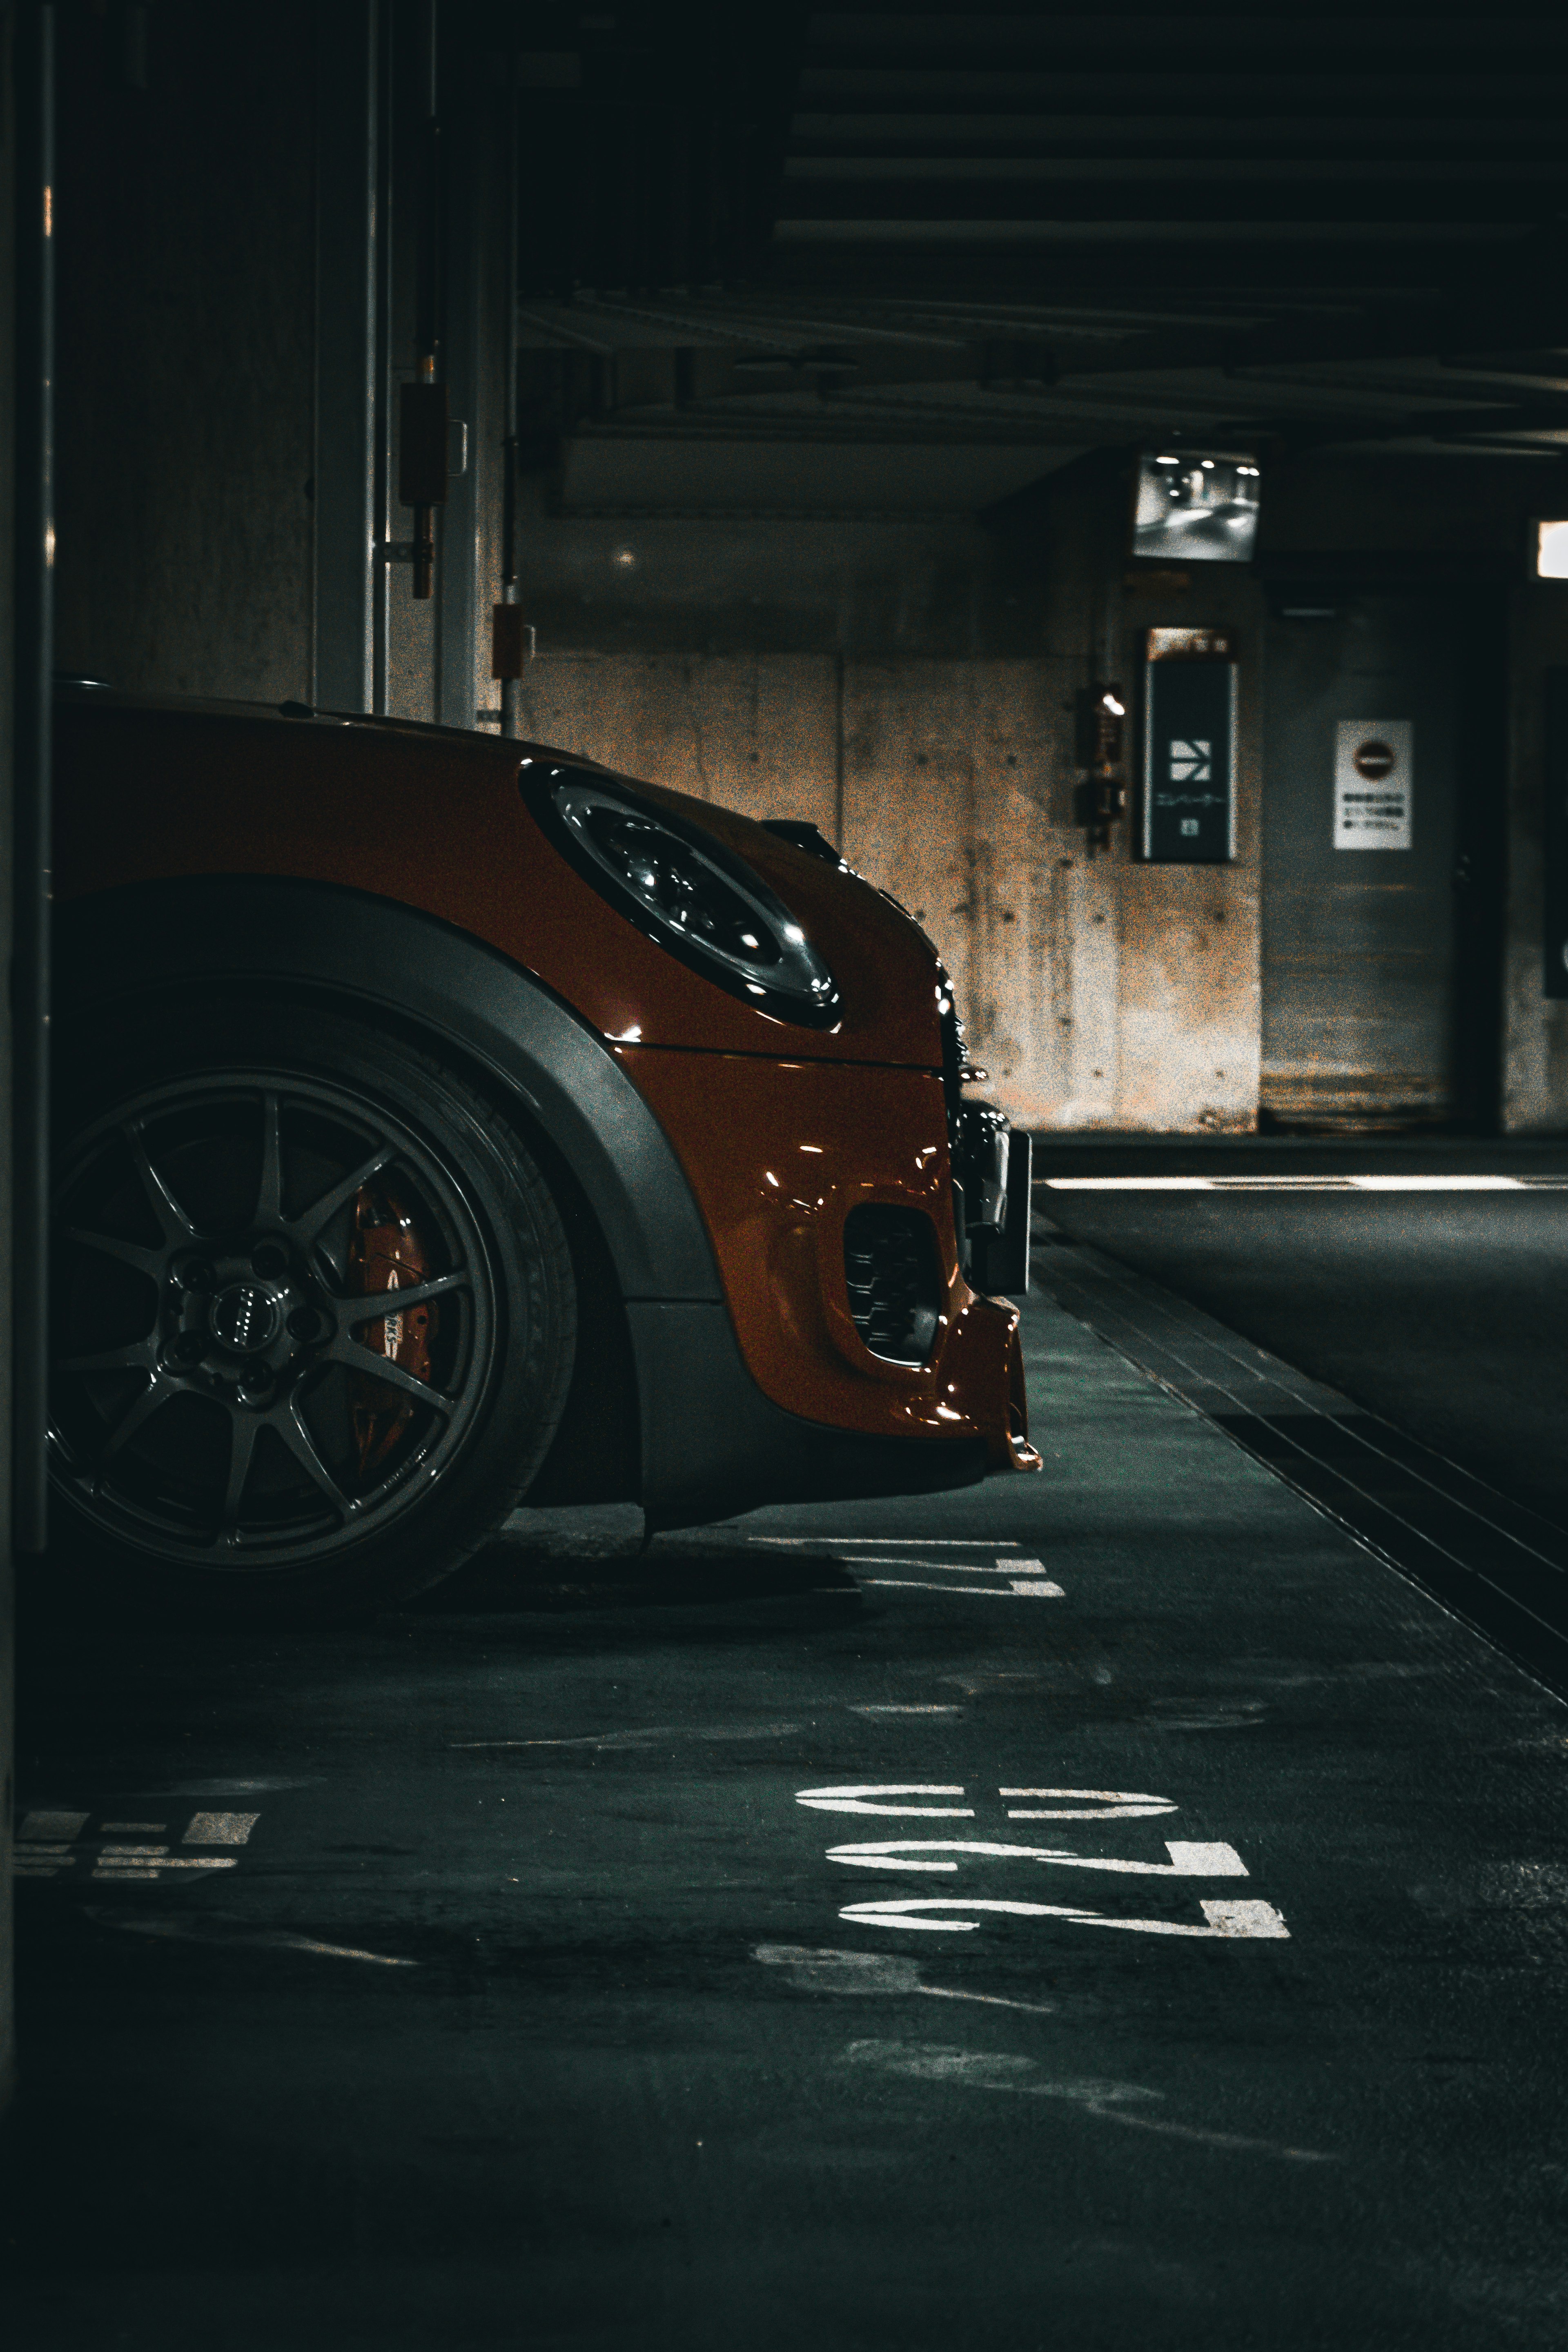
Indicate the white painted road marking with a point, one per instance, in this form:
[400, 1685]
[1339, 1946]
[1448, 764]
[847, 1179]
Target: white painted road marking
[151, 1861]
[1024, 1576]
[910, 1543]
[48, 1841]
[1032, 1588]
[53, 1825]
[220, 1829]
[42, 1861]
[44, 1843]
[999, 1566]
[1104, 1805]
[1229, 1919]
[1083, 1805]
[852, 1798]
[1187, 1860]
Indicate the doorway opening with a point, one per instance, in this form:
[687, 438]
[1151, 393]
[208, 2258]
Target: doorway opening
[1382, 857]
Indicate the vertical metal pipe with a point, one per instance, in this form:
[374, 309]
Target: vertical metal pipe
[347, 557]
[838, 753]
[511, 687]
[383, 404]
[466, 157]
[34, 650]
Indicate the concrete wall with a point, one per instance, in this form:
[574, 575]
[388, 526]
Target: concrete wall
[918, 707]
[912, 680]
[1096, 993]
[1470, 520]
[186, 342]
[822, 629]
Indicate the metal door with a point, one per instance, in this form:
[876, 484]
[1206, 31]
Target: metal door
[1360, 961]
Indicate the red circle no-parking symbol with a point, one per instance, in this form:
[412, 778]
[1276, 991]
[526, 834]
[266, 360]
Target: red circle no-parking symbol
[1373, 759]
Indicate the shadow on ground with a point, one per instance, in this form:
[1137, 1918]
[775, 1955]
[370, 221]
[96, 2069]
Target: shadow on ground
[516, 1575]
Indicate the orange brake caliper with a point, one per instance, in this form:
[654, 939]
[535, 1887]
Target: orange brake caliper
[385, 1255]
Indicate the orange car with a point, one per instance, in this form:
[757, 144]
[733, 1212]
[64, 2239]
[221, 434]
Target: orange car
[444, 1122]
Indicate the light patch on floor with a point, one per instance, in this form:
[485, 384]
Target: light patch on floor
[1107, 2100]
[650, 1736]
[857, 1706]
[873, 1973]
[208, 1930]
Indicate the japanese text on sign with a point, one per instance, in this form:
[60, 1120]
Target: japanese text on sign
[1373, 784]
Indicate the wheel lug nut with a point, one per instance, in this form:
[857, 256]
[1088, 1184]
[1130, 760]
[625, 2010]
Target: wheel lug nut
[254, 1376]
[305, 1324]
[269, 1259]
[183, 1349]
[194, 1275]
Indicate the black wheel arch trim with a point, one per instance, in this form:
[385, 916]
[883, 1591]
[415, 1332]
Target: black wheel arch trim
[711, 1443]
[148, 937]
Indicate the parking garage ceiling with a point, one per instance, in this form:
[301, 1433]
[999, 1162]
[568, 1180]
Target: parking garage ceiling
[1049, 226]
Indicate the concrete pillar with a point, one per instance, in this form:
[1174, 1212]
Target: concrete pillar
[27, 659]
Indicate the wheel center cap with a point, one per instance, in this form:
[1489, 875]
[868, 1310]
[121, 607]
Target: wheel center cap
[246, 1317]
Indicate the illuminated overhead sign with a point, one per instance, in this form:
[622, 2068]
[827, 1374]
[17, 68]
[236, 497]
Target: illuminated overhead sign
[1552, 550]
[1196, 506]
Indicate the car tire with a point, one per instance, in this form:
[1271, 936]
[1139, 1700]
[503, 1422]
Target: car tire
[235, 1429]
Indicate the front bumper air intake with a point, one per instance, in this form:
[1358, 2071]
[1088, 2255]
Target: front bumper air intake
[893, 1273]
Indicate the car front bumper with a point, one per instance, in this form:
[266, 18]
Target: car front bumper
[778, 1154]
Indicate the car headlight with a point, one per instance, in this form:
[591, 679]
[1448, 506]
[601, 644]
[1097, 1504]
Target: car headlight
[686, 891]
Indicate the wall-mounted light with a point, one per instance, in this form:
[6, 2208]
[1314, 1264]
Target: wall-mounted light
[1101, 797]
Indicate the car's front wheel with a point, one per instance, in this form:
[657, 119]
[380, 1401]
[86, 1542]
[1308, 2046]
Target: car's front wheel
[313, 1315]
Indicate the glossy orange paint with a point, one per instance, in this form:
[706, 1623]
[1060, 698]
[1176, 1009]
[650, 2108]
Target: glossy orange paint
[781, 1130]
[777, 1154]
[434, 819]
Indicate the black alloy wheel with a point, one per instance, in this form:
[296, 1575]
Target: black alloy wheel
[314, 1315]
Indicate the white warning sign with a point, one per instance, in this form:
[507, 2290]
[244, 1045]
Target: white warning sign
[1373, 784]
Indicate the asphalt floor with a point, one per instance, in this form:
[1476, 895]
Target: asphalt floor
[1104, 1907]
[1444, 1311]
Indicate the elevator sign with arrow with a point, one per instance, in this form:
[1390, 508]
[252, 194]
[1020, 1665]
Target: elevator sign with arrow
[1189, 748]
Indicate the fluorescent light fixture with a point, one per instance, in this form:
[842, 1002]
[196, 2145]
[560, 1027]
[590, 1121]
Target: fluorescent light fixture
[1306, 1183]
[1552, 550]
